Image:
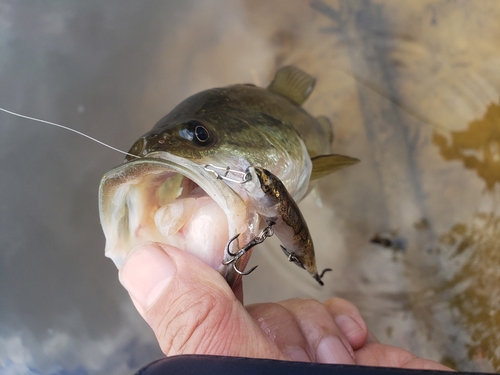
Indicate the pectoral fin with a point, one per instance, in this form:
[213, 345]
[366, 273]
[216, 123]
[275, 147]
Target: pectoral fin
[293, 84]
[326, 164]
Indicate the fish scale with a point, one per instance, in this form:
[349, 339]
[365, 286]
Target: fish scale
[235, 127]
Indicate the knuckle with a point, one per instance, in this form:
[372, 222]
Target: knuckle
[305, 309]
[342, 306]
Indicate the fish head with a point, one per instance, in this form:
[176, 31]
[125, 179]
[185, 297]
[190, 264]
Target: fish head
[163, 192]
[166, 195]
[189, 138]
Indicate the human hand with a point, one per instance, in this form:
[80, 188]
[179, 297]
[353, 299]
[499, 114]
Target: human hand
[192, 310]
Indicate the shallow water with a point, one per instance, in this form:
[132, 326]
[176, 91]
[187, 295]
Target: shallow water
[412, 89]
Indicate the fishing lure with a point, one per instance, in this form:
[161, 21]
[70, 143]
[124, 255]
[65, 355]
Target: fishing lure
[275, 205]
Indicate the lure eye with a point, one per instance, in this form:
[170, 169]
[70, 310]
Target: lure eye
[201, 134]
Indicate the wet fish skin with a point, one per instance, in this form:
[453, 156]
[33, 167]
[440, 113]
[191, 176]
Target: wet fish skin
[237, 126]
[250, 123]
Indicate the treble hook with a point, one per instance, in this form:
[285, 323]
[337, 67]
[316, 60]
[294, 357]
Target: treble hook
[258, 239]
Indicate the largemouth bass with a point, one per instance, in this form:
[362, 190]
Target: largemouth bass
[163, 191]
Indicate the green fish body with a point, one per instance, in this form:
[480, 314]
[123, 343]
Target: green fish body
[165, 194]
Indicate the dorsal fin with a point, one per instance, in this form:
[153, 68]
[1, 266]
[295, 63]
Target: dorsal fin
[293, 84]
[327, 127]
[326, 164]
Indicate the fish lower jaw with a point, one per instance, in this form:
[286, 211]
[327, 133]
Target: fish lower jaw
[158, 204]
[196, 225]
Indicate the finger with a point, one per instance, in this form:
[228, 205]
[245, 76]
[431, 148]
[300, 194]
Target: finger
[327, 342]
[349, 320]
[238, 289]
[390, 356]
[282, 328]
[189, 306]
[372, 339]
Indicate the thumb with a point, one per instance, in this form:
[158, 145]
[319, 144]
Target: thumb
[189, 305]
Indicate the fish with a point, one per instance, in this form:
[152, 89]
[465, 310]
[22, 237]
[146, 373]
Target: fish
[163, 191]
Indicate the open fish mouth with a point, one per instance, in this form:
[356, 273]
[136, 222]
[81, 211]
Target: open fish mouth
[172, 200]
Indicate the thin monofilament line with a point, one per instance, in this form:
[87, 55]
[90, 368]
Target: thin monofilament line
[67, 128]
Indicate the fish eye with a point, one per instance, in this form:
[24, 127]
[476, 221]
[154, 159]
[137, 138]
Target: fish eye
[197, 133]
[201, 133]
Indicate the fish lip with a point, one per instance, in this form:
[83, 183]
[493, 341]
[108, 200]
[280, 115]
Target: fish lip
[119, 244]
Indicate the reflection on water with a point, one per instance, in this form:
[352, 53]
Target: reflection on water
[472, 248]
[472, 291]
[478, 147]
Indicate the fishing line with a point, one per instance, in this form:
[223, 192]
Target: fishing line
[66, 128]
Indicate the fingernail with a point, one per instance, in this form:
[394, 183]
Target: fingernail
[347, 325]
[297, 354]
[147, 270]
[332, 350]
